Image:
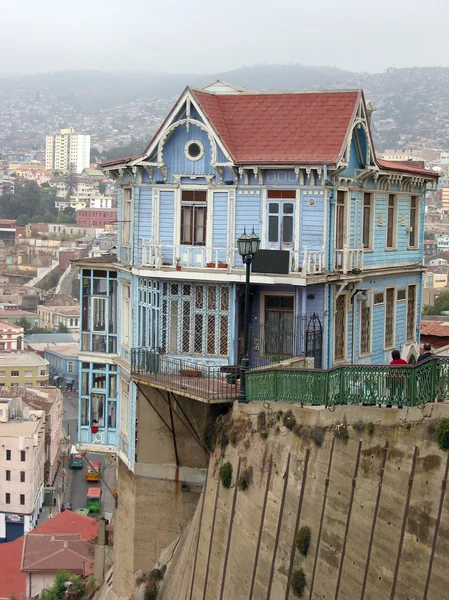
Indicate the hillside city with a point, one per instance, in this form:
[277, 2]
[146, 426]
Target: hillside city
[123, 317]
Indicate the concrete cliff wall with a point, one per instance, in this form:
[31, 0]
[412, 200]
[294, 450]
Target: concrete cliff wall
[371, 488]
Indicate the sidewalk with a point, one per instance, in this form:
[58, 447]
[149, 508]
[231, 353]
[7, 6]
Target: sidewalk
[60, 484]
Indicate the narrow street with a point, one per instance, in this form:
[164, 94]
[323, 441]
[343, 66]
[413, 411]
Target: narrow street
[75, 484]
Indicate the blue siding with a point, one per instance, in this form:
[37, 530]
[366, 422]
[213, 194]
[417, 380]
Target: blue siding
[247, 214]
[175, 158]
[143, 221]
[312, 220]
[220, 225]
[282, 177]
[166, 216]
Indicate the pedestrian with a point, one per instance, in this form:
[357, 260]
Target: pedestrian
[397, 380]
[426, 354]
[396, 358]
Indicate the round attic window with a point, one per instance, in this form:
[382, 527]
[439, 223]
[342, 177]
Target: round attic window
[194, 150]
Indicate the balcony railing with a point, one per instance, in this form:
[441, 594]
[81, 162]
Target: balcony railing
[348, 259]
[125, 254]
[305, 261]
[190, 378]
[353, 384]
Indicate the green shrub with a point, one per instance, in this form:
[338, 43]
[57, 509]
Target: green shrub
[317, 435]
[151, 593]
[442, 434]
[302, 540]
[245, 479]
[288, 419]
[225, 475]
[261, 421]
[298, 583]
[279, 415]
[233, 437]
[369, 429]
[359, 426]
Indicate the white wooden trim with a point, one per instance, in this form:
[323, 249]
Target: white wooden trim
[325, 228]
[395, 221]
[346, 295]
[297, 231]
[386, 348]
[177, 217]
[156, 211]
[370, 295]
[209, 222]
[264, 220]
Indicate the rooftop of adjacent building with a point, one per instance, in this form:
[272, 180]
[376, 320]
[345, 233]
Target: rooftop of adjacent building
[15, 312]
[64, 350]
[21, 359]
[12, 579]
[64, 311]
[22, 427]
[51, 339]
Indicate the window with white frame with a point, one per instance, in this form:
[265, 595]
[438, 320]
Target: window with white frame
[411, 313]
[413, 222]
[126, 312]
[340, 220]
[126, 215]
[193, 217]
[391, 222]
[340, 327]
[367, 224]
[390, 316]
[365, 326]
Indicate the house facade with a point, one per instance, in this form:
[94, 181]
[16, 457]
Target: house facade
[63, 365]
[338, 276]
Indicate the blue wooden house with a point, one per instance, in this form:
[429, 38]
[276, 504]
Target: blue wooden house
[338, 276]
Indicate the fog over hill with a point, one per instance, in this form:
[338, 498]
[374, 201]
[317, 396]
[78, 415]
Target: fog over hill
[412, 104]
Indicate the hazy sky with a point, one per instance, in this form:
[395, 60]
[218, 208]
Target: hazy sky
[207, 36]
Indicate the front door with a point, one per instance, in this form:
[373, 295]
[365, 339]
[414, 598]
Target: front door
[280, 224]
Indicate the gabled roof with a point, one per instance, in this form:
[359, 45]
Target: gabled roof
[53, 552]
[294, 128]
[69, 522]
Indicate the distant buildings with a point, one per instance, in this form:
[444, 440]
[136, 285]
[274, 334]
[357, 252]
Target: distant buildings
[23, 369]
[63, 365]
[50, 317]
[11, 336]
[22, 459]
[94, 217]
[67, 151]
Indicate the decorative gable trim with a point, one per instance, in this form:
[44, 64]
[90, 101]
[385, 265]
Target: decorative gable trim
[359, 121]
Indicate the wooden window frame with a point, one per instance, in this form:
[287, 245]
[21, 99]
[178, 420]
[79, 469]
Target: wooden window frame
[345, 341]
[414, 223]
[194, 207]
[370, 305]
[389, 347]
[410, 339]
[392, 210]
[368, 210]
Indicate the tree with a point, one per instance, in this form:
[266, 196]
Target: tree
[62, 328]
[428, 235]
[102, 187]
[23, 322]
[441, 303]
[22, 220]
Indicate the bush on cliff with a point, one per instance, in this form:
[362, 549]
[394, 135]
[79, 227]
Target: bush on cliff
[442, 434]
[302, 540]
[225, 475]
[298, 583]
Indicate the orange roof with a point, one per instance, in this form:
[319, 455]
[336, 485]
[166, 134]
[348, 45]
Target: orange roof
[437, 328]
[12, 580]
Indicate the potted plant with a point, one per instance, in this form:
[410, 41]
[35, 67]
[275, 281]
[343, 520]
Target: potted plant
[178, 264]
[94, 427]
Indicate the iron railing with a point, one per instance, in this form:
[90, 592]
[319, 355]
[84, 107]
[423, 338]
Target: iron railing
[192, 379]
[353, 384]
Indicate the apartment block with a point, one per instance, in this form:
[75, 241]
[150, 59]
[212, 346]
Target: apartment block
[23, 369]
[67, 151]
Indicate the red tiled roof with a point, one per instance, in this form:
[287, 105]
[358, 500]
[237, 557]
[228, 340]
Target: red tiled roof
[394, 165]
[295, 128]
[437, 328]
[69, 522]
[53, 552]
[12, 580]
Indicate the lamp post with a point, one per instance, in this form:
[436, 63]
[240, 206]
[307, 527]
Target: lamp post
[247, 245]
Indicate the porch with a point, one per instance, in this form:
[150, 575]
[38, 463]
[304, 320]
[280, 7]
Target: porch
[157, 256]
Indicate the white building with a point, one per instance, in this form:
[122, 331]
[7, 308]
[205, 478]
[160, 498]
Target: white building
[22, 461]
[67, 151]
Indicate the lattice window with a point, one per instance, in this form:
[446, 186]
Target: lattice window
[411, 313]
[390, 317]
[340, 328]
[379, 298]
[195, 319]
[365, 328]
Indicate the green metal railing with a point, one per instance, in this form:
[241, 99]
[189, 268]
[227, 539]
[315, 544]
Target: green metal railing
[353, 384]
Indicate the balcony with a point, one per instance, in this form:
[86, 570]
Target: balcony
[348, 260]
[189, 378]
[157, 256]
[125, 255]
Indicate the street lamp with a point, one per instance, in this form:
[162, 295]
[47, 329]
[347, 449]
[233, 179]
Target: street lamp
[247, 245]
